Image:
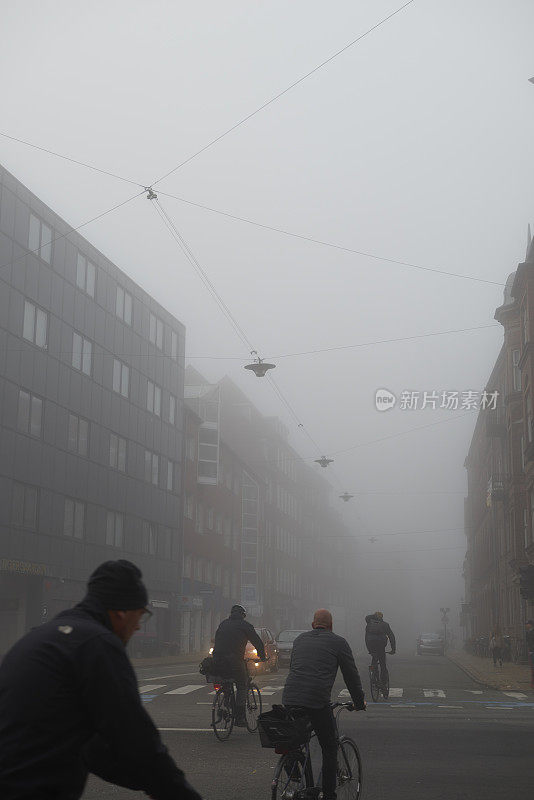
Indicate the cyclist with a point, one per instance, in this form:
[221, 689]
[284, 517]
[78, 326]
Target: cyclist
[231, 640]
[377, 633]
[315, 659]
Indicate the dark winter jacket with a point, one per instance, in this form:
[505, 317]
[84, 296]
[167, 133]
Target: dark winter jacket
[377, 633]
[231, 640]
[315, 659]
[69, 705]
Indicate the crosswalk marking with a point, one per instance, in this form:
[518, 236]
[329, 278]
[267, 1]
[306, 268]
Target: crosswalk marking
[186, 689]
[150, 687]
[395, 692]
[434, 693]
[516, 695]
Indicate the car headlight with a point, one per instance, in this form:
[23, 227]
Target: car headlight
[254, 651]
[211, 651]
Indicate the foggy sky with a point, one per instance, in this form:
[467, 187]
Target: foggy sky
[415, 144]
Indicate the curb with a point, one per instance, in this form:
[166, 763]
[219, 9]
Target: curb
[475, 676]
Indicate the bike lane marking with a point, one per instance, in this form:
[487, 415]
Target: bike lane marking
[151, 687]
[516, 695]
[434, 693]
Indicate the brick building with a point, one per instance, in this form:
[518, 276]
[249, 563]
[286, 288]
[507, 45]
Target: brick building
[499, 508]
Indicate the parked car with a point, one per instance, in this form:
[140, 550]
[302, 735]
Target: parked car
[271, 651]
[430, 643]
[285, 645]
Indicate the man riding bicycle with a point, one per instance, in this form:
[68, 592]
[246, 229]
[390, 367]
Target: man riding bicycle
[315, 659]
[377, 633]
[231, 640]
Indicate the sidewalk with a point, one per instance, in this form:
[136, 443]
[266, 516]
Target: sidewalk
[509, 677]
[157, 661]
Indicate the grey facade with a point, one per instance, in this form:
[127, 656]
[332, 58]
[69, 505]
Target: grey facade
[91, 423]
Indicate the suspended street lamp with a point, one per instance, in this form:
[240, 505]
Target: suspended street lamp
[324, 461]
[346, 497]
[259, 367]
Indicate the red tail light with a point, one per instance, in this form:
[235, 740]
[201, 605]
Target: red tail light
[216, 686]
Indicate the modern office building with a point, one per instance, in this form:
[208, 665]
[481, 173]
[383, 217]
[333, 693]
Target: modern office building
[91, 424]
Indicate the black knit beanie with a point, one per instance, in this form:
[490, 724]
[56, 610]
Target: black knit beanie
[118, 586]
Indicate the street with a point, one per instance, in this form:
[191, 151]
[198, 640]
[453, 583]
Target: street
[440, 736]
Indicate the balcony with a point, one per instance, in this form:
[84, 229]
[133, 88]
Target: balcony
[495, 423]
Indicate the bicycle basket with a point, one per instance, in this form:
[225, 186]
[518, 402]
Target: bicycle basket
[277, 729]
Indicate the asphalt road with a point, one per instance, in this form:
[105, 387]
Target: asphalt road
[440, 736]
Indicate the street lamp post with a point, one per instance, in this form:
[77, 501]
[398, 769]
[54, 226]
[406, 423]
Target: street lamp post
[444, 619]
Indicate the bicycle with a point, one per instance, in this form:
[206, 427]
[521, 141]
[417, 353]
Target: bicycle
[293, 776]
[377, 686]
[223, 710]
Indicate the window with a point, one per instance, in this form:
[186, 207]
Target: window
[30, 413]
[170, 476]
[85, 275]
[198, 569]
[209, 519]
[115, 529]
[516, 370]
[525, 527]
[172, 409]
[121, 378]
[208, 574]
[82, 353]
[217, 576]
[174, 345]
[529, 417]
[74, 519]
[191, 448]
[151, 467]
[218, 524]
[208, 454]
[40, 238]
[78, 435]
[123, 305]
[187, 566]
[188, 507]
[153, 398]
[227, 529]
[35, 324]
[24, 506]
[155, 333]
[117, 452]
[226, 584]
[199, 519]
[150, 542]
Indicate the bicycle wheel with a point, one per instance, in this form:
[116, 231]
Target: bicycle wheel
[349, 770]
[293, 774]
[253, 707]
[375, 690]
[385, 688]
[222, 714]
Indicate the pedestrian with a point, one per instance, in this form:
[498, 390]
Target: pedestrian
[530, 649]
[69, 702]
[495, 647]
[315, 659]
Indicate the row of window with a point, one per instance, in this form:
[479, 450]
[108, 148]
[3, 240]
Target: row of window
[282, 540]
[155, 540]
[207, 571]
[208, 521]
[40, 241]
[30, 420]
[34, 329]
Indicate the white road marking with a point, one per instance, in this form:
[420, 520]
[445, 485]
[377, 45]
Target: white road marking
[450, 706]
[178, 675]
[500, 708]
[151, 687]
[404, 705]
[186, 689]
[344, 693]
[474, 691]
[516, 695]
[434, 693]
[188, 730]
[396, 692]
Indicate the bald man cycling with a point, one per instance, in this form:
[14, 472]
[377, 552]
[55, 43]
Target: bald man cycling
[315, 659]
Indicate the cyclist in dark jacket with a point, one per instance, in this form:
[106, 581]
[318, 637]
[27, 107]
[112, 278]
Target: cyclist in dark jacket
[377, 633]
[231, 640]
[69, 702]
[315, 659]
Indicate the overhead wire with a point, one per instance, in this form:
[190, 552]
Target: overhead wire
[284, 92]
[332, 245]
[72, 160]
